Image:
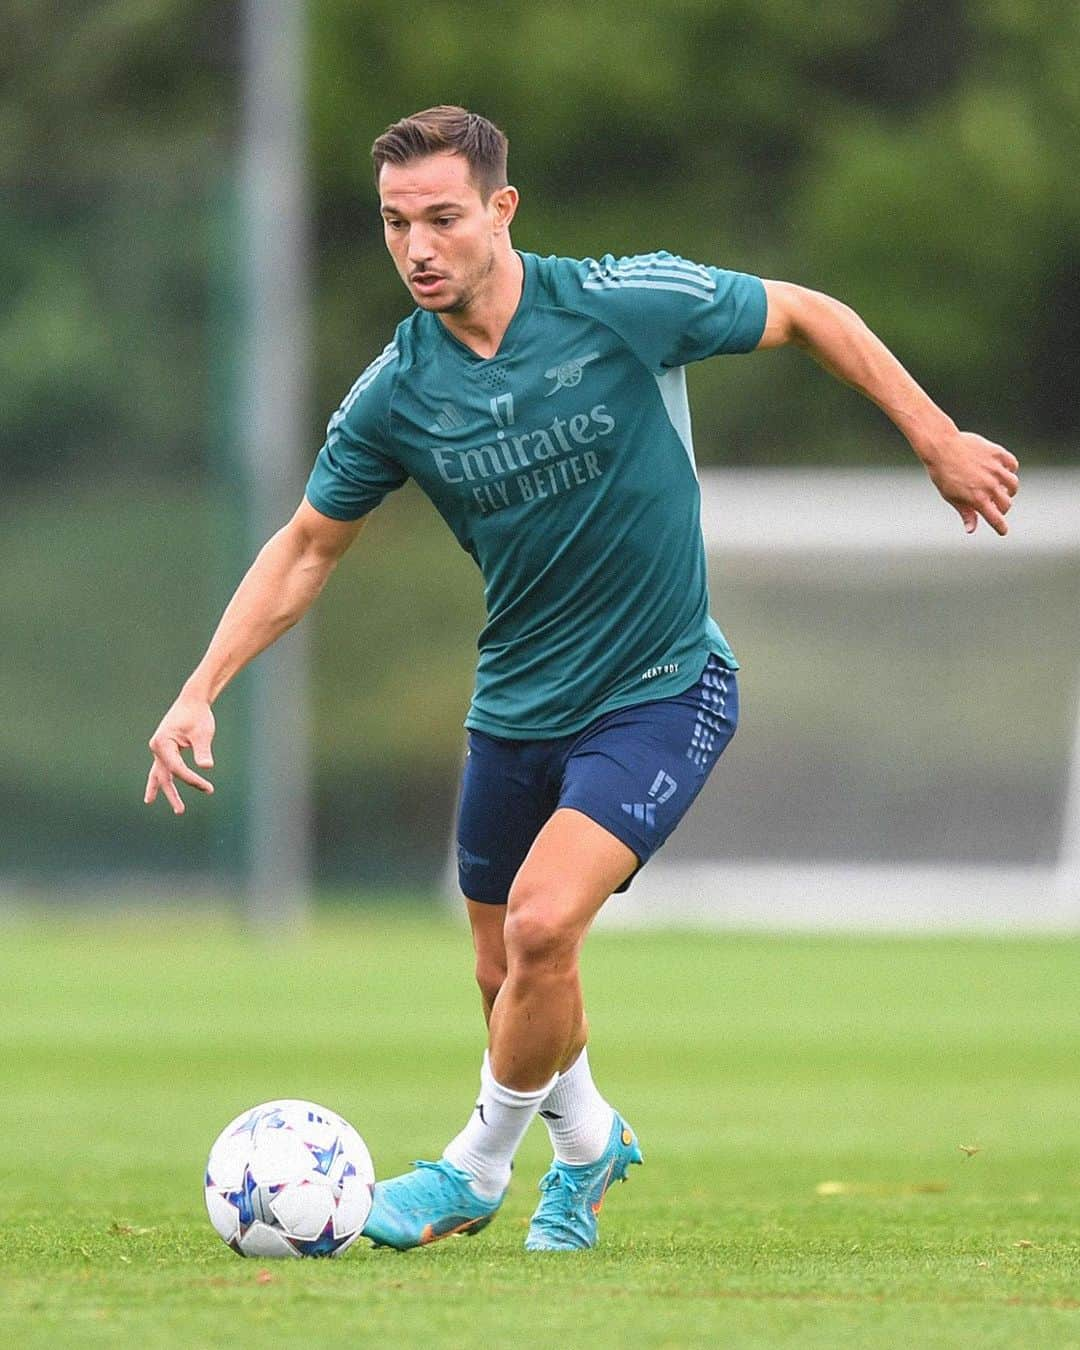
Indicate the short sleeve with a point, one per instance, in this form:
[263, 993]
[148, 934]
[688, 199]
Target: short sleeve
[355, 469]
[671, 311]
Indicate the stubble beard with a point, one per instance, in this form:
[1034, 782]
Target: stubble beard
[470, 291]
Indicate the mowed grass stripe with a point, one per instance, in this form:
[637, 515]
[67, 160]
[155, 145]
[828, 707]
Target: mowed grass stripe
[754, 1068]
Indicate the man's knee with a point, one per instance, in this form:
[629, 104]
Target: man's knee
[490, 976]
[487, 934]
[539, 931]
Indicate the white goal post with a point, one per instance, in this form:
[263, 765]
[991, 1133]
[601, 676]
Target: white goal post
[832, 555]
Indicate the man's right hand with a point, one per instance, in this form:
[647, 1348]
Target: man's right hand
[278, 589]
[189, 724]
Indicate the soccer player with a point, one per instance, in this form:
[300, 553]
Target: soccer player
[541, 405]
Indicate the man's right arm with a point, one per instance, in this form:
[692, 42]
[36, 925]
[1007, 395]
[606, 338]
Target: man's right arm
[279, 588]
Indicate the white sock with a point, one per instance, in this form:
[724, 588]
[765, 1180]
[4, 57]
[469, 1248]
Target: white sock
[579, 1120]
[485, 1148]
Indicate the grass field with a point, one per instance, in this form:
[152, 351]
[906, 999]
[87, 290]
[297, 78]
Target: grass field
[802, 1104]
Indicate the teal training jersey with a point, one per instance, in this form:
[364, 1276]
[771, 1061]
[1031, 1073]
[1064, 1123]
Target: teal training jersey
[564, 465]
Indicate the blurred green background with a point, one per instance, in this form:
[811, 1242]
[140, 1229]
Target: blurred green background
[918, 160]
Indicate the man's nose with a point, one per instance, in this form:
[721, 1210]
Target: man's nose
[420, 245]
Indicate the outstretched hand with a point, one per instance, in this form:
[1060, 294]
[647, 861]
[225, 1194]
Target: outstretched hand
[189, 724]
[975, 476]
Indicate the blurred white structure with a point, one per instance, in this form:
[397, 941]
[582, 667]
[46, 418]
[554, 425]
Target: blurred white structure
[909, 752]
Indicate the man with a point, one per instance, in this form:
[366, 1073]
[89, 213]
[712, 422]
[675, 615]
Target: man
[541, 404]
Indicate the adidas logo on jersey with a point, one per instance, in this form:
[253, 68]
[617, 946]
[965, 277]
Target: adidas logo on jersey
[449, 419]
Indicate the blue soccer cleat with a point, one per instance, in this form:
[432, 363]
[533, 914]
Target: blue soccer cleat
[436, 1201]
[571, 1197]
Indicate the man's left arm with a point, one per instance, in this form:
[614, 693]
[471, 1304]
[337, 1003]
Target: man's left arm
[973, 474]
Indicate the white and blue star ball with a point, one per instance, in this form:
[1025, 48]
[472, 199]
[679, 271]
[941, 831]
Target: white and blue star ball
[289, 1178]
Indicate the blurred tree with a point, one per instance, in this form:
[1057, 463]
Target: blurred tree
[116, 121]
[951, 231]
[912, 159]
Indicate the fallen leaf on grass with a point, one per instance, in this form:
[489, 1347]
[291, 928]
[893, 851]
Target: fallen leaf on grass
[119, 1229]
[880, 1187]
[969, 1150]
[264, 1277]
[1023, 1243]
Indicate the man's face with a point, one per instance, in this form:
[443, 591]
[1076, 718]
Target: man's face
[439, 230]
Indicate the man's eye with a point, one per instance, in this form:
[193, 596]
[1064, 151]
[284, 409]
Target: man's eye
[395, 224]
[445, 220]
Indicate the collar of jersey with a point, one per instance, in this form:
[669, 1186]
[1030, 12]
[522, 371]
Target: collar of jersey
[509, 338]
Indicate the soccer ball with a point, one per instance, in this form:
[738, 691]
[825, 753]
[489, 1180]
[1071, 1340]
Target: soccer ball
[289, 1178]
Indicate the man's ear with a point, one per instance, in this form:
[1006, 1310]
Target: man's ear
[504, 204]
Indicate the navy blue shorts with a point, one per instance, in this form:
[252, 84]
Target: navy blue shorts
[634, 771]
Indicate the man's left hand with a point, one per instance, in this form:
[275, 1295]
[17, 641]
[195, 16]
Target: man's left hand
[975, 476]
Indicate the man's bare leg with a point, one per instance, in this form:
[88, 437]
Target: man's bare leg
[486, 922]
[577, 1115]
[537, 1024]
[527, 968]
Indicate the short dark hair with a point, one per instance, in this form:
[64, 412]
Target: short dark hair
[447, 129]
